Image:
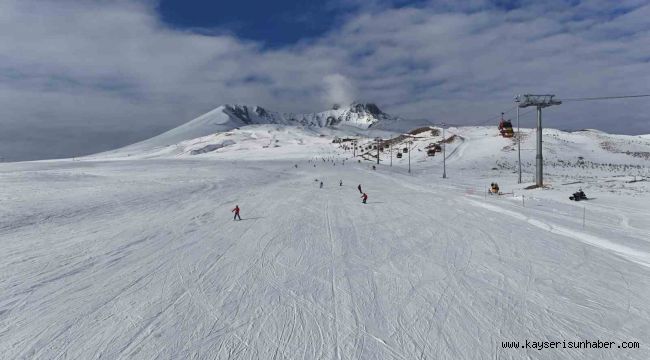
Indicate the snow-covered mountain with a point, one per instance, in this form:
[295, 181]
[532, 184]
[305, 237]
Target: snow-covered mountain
[358, 116]
[236, 132]
[604, 160]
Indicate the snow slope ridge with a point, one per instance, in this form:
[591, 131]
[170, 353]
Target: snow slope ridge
[637, 256]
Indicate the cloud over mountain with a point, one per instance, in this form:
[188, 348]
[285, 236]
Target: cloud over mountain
[80, 77]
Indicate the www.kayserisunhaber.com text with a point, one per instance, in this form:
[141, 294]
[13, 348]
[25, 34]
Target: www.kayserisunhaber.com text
[565, 344]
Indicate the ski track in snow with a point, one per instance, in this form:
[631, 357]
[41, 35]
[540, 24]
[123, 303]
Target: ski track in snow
[149, 264]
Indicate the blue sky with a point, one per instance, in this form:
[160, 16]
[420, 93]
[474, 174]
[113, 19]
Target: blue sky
[272, 23]
[77, 77]
[280, 22]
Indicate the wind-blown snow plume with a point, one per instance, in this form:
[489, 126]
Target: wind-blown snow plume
[339, 89]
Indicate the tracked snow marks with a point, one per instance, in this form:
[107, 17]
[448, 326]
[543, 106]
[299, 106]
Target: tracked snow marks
[333, 283]
[417, 273]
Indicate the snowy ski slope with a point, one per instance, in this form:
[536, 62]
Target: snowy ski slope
[136, 256]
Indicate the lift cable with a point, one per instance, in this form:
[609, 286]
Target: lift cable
[607, 97]
[493, 118]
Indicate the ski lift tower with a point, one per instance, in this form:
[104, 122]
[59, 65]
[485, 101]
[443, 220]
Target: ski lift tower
[410, 144]
[539, 101]
[444, 152]
[379, 141]
[517, 100]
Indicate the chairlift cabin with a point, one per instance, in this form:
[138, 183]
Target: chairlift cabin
[399, 155]
[405, 150]
[505, 128]
[431, 152]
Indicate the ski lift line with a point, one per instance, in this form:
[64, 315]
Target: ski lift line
[607, 97]
[526, 112]
[504, 112]
[498, 116]
[569, 99]
[493, 118]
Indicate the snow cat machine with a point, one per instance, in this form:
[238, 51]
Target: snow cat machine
[578, 195]
[505, 128]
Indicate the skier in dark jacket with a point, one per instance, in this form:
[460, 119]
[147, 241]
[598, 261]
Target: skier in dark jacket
[321, 184]
[359, 187]
[236, 211]
[364, 197]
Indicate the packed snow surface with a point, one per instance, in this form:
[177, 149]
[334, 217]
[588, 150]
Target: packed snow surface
[134, 254]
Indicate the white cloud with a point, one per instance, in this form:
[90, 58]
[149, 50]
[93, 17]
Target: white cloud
[339, 89]
[111, 72]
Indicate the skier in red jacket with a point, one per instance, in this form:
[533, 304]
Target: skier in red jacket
[236, 211]
[364, 197]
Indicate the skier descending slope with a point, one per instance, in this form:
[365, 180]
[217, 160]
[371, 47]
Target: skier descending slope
[321, 184]
[364, 197]
[340, 182]
[236, 211]
[359, 187]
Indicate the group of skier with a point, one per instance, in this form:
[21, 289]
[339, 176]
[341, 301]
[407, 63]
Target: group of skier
[364, 199]
[364, 196]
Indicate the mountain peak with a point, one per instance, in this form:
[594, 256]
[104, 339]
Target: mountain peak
[248, 114]
[357, 114]
[230, 116]
[370, 108]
